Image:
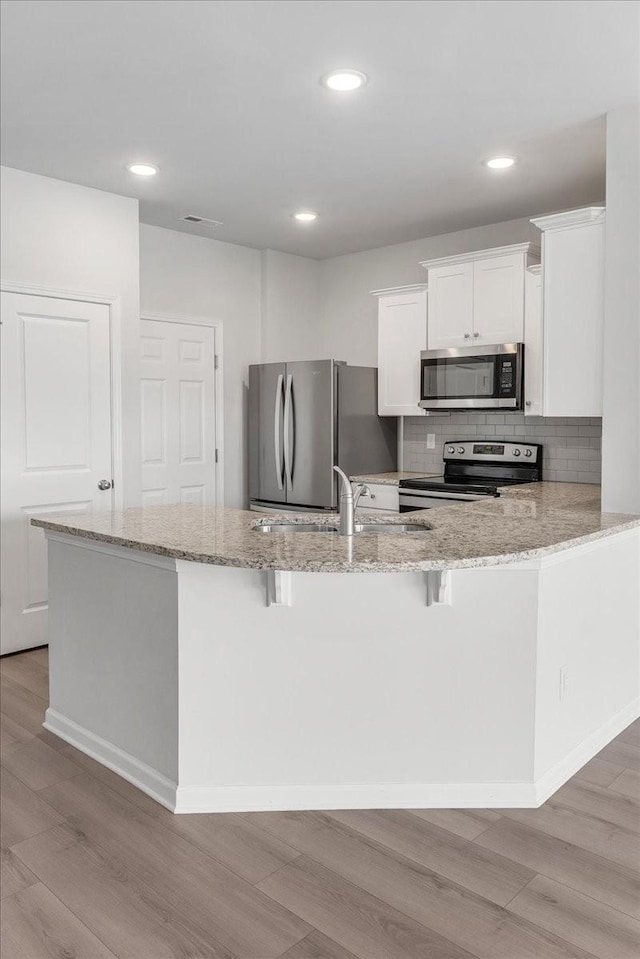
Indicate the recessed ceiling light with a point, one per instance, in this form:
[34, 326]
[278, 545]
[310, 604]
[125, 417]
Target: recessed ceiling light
[500, 163]
[142, 169]
[344, 81]
[305, 216]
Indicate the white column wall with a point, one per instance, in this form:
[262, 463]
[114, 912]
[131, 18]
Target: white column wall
[621, 387]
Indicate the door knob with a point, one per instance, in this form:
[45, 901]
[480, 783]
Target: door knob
[104, 484]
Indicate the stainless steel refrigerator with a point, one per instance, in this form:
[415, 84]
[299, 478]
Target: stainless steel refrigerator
[306, 417]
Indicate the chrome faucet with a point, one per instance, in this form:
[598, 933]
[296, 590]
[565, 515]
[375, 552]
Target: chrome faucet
[348, 502]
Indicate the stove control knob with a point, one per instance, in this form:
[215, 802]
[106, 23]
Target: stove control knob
[460, 449]
[528, 452]
[450, 449]
[516, 452]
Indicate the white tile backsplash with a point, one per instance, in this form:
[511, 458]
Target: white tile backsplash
[571, 445]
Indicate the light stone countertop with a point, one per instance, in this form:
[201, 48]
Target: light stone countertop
[389, 479]
[525, 522]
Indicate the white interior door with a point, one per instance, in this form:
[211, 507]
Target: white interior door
[56, 441]
[177, 401]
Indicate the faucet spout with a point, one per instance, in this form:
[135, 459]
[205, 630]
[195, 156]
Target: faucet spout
[347, 506]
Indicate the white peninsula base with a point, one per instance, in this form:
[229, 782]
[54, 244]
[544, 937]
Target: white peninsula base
[180, 677]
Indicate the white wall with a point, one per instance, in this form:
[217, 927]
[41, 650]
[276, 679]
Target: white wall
[196, 276]
[621, 388]
[290, 307]
[348, 317]
[64, 237]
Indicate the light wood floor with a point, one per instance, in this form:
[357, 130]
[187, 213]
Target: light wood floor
[94, 869]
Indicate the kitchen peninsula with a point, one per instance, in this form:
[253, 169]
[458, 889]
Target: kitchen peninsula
[478, 662]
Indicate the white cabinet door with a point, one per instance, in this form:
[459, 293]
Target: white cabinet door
[56, 441]
[498, 299]
[450, 306]
[177, 400]
[402, 335]
[381, 496]
[533, 344]
[573, 319]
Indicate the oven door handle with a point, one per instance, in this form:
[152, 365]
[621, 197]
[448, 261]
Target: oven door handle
[414, 497]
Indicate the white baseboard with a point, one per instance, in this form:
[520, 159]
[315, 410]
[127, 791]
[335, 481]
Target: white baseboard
[145, 778]
[208, 799]
[569, 765]
[259, 798]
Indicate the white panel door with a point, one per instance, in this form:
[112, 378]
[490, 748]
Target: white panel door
[56, 441]
[498, 299]
[402, 334]
[178, 416]
[450, 321]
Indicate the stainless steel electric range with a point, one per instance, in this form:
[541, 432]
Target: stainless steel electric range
[473, 471]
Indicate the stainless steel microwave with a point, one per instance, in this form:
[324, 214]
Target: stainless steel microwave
[474, 377]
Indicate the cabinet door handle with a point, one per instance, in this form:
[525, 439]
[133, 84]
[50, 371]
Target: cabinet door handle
[476, 335]
[467, 336]
[527, 403]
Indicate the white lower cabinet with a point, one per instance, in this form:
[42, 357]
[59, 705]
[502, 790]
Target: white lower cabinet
[565, 317]
[381, 496]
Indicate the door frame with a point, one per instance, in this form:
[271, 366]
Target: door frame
[115, 364]
[218, 382]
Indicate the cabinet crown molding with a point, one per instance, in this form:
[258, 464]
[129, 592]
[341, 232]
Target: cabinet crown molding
[529, 249]
[570, 218]
[410, 288]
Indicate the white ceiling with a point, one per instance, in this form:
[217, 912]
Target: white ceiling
[224, 97]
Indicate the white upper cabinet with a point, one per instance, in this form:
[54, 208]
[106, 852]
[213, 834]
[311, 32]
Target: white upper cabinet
[477, 299]
[402, 335]
[450, 306]
[570, 325]
[498, 299]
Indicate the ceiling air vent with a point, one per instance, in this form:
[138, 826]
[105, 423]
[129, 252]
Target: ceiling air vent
[207, 221]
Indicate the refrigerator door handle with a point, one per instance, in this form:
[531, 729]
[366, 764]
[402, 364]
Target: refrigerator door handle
[277, 417]
[289, 443]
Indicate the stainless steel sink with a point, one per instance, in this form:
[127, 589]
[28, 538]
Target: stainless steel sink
[358, 528]
[296, 528]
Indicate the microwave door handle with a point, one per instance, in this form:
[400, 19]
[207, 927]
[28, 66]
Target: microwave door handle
[277, 417]
[289, 431]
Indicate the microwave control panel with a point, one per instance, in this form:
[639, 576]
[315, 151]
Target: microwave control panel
[506, 375]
